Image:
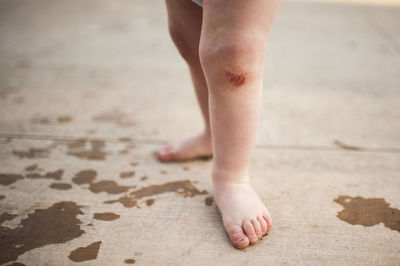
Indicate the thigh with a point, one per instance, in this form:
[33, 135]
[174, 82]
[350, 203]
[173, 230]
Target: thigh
[185, 17]
[235, 18]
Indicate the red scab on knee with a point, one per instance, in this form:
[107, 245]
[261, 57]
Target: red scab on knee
[237, 79]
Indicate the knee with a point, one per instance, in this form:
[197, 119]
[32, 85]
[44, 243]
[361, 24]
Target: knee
[182, 42]
[233, 59]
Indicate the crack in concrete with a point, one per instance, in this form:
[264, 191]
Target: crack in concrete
[142, 141]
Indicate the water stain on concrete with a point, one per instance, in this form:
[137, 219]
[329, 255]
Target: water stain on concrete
[7, 179]
[135, 163]
[127, 174]
[186, 168]
[61, 186]
[106, 216]
[31, 168]
[125, 139]
[108, 186]
[87, 149]
[64, 119]
[2, 197]
[84, 177]
[163, 172]
[346, 146]
[150, 202]
[183, 188]
[368, 212]
[130, 261]
[42, 120]
[209, 201]
[32, 153]
[76, 144]
[143, 178]
[56, 224]
[116, 117]
[5, 216]
[85, 253]
[56, 175]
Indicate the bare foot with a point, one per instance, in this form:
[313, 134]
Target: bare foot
[187, 149]
[245, 217]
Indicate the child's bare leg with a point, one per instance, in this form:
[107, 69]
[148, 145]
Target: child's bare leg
[232, 51]
[185, 19]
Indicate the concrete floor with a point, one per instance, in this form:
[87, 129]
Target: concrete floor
[90, 89]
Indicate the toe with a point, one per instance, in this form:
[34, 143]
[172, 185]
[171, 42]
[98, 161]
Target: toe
[165, 154]
[268, 219]
[237, 236]
[250, 232]
[257, 228]
[264, 225]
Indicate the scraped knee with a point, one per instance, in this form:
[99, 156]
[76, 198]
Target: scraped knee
[236, 78]
[235, 61]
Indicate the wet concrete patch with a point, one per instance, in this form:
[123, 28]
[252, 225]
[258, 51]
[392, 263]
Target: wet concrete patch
[150, 202]
[130, 261]
[31, 168]
[32, 153]
[7, 179]
[108, 186]
[85, 253]
[6, 217]
[127, 174]
[56, 224]
[106, 216]
[84, 177]
[209, 201]
[61, 186]
[143, 178]
[368, 212]
[64, 119]
[87, 149]
[43, 120]
[56, 175]
[184, 188]
[2, 197]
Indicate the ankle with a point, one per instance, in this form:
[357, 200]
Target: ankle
[226, 177]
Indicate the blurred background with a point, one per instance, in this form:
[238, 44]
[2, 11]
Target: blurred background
[332, 72]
